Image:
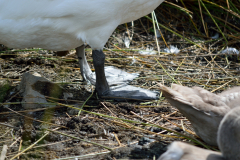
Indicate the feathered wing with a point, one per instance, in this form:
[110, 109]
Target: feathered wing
[202, 108]
[231, 97]
[196, 98]
[184, 151]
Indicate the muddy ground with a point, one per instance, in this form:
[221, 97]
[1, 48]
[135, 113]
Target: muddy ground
[67, 135]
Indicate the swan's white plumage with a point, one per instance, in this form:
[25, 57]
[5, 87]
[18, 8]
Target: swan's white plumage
[66, 24]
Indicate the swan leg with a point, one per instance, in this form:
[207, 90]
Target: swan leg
[84, 67]
[119, 92]
[101, 85]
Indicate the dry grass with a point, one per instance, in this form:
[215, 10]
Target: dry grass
[188, 25]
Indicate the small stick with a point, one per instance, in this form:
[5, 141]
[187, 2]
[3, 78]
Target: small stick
[4, 152]
[115, 135]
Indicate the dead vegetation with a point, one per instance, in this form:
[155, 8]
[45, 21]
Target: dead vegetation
[105, 129]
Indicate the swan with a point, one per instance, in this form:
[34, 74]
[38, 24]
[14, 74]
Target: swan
[228, 142]
[204, 109]
[61, 25]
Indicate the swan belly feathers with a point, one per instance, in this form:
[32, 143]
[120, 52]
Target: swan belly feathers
[66, 24]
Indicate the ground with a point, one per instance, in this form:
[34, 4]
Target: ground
[126, 130]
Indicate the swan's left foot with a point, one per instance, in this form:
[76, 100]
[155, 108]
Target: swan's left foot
[119, 92]
[127, 92]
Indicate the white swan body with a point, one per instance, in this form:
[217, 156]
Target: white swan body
[66, 24]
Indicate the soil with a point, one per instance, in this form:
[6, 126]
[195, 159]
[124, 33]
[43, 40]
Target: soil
[68, 134]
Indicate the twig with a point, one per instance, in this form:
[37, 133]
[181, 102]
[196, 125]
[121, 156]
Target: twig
[4, 152]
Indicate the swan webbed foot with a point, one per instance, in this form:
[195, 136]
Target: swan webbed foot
[127, 92]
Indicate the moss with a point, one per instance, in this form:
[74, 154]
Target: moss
[4, 89]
